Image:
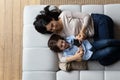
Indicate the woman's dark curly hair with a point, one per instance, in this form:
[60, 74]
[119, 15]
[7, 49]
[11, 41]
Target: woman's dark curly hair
[54, 13]
[40, 23]
[52, 42]
[44, 18]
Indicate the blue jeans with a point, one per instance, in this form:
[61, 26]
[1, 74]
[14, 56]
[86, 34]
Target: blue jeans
[103, 26]
[106, 51]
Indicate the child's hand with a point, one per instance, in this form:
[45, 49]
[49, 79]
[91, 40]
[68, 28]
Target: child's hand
[81, 50]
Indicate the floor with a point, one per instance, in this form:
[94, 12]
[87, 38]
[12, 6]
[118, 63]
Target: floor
[11, 25]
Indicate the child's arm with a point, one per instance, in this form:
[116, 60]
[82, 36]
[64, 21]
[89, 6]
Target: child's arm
[86, 22]
[73, 58]
[81, 51]
[77, 57]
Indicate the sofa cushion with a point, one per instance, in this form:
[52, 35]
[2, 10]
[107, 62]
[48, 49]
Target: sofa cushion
[39, 59]
[93, 9]
[62, 75]
[112, 75]
[94, 65]
[113, 67]
[31, 38]
[75, 65]
[112, 11]
[70, 7]
[39, 75]
[30, 13]
[91, 75]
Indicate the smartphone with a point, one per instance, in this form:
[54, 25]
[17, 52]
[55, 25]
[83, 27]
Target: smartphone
[77, 42]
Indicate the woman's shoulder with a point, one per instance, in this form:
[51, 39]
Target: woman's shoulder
[66, 13]
[73, 14]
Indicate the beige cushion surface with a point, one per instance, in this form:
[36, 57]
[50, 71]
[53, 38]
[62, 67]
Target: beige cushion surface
[73, 65]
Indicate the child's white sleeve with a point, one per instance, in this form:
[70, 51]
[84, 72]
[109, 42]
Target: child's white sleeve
[61, 58]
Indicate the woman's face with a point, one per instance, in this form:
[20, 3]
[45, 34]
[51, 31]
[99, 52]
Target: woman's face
[54, 26]
[62, 44]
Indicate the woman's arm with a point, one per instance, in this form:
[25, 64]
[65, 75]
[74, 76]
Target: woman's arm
[77, 23]
[85, 20]
[84, 17]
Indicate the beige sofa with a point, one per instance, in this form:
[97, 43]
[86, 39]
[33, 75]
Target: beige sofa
[39, 63]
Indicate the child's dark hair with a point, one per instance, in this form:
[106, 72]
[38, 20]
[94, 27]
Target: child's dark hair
[52, 42]
[44, 18]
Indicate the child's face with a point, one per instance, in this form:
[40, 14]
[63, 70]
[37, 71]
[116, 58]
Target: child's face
[62, 44]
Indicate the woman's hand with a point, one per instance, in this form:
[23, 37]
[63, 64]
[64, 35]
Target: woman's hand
[81, 36]
[81, 49]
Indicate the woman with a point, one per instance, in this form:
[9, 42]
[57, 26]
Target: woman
[66, 23]
[105, 51]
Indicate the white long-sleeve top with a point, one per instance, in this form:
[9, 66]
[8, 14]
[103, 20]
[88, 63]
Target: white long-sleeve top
[73, 23]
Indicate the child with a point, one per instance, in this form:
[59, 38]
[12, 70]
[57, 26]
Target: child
[106, 51]
[70, 46]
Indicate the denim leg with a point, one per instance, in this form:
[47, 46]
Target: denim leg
[105, 52]
[103, 26]
[108, 61]
[107, 56]
[106, 43]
